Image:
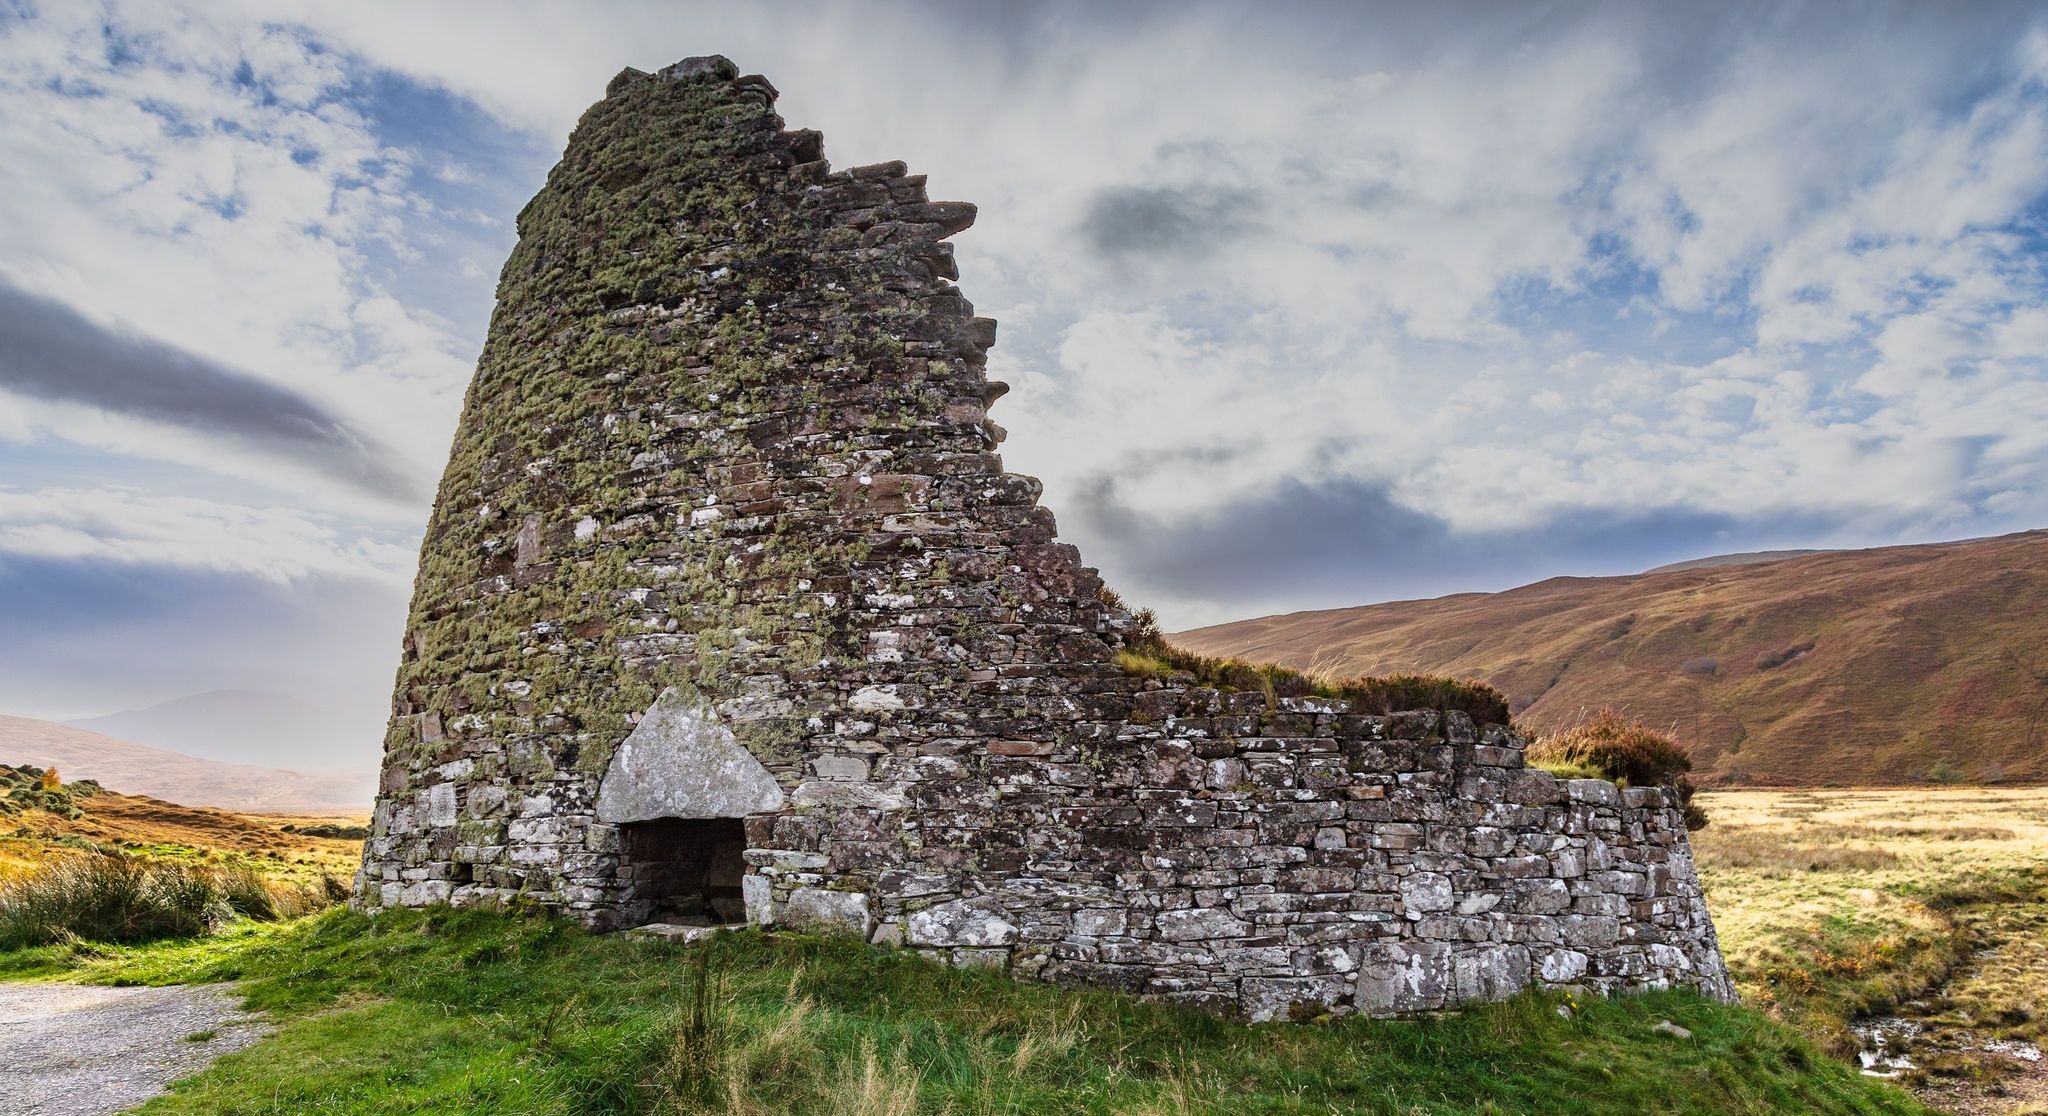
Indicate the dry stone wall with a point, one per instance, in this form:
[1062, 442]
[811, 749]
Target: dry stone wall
[724, 557]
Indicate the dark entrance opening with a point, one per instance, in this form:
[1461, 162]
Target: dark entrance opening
[685, 870]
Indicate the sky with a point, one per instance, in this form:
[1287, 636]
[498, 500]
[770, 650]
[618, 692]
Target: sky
[1303, 305]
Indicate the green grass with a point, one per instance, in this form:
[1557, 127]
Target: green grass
[474, 1012]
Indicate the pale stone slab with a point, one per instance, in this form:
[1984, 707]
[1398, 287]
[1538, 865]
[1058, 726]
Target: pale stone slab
[976, 923]
[681, 762]
[815, 908]
[676, 932]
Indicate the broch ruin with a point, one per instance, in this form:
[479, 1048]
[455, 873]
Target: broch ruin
[728, 611]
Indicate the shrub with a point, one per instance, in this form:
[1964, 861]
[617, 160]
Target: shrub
[1623, 749]
[105, 897]
[33, 788]
[1393, 693]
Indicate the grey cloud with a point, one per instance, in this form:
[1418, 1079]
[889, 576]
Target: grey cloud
[1300, 545]
[1126, 221]
[50, 351]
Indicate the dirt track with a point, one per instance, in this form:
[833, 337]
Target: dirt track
[76, 1050]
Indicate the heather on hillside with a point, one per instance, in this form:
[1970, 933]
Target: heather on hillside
[1907, 664]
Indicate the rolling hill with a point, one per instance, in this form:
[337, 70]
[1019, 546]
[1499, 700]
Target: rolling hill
[1882, 666]
[157, 773]
[250, 727]
[109, 820]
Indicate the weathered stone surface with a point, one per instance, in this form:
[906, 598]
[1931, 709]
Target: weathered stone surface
[963, 922]
[1265, 999]
[673, 932]
[729, 444]
[679, 762]
[815, 908]
[1395, 977]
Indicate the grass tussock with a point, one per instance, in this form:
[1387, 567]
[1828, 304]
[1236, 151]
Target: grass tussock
[479, 1012]
[100, 897]
[1148, 655]
[1613, 746]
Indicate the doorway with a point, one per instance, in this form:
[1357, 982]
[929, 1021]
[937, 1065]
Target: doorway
[684, 870]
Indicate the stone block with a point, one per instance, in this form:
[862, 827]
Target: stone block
[1489, 973]
[1561, 966]
[1593, 792]
[1201, 924]
[1397, 977]
[441, 804]
[962, 922]
[851, 768]
[839, 912]
[758, 892]
[1422, 892]
[1265, 999]
[1111, 922]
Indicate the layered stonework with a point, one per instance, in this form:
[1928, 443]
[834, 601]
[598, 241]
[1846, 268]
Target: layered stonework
[727, 603]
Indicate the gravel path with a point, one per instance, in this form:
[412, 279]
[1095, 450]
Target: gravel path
[76, 1050]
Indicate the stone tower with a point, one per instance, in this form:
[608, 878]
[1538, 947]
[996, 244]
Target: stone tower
[727, 609]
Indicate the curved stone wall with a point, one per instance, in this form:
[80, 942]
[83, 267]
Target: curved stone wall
[724, 535]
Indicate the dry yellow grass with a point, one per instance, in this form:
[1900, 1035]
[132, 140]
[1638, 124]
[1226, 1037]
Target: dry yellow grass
[1933, 903]
[1778, 860]
[165, 829]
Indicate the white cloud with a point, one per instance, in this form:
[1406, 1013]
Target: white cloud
[129, 527]
[211, 187]
[1510, 269]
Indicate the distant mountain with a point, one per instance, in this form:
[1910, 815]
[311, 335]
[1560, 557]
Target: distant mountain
[1855, 667]
[139, 769]
[250, 727]
[1749, 558]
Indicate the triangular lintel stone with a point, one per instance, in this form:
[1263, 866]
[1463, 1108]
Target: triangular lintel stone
[681, 761]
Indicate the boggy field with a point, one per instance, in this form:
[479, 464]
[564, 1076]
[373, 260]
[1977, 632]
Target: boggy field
[1906, 928]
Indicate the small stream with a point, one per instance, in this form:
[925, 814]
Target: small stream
[1884, 1045]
